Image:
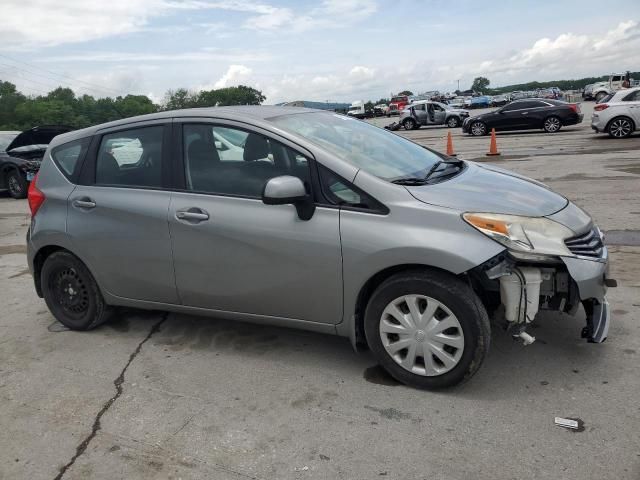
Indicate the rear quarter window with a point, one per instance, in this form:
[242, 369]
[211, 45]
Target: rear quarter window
[69, 155]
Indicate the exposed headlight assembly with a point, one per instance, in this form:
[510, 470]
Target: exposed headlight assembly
[523, 235]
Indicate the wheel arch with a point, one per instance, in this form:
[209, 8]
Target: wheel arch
[41, 256]
[357, 334]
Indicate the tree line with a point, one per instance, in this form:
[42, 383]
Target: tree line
[63, 107]
[481, 84]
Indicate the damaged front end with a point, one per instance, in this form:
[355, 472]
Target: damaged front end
[544, 268]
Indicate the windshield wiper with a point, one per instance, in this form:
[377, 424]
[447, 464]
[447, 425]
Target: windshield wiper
[423, 180]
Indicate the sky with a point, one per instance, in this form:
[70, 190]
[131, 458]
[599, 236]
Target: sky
[329, 50]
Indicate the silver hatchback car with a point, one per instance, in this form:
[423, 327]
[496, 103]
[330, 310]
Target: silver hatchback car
[313, 220]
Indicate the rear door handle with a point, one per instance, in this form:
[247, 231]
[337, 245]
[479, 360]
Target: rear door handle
[84, 203]
[193, 214]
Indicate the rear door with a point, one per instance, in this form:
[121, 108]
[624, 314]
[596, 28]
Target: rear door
[232, 252]
[632, 104]
[117, 215]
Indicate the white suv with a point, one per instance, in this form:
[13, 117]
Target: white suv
[618, 115]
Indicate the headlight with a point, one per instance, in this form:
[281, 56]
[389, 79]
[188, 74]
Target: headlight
[527, 235]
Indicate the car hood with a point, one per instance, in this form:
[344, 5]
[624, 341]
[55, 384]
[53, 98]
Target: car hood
[37, 136]
[485, 188]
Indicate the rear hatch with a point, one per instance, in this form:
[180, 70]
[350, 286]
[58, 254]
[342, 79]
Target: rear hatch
[36, 136]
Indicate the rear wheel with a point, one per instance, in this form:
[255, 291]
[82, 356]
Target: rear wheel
[17, 184]
[478, 129]
[552, 124]
[620, 127]
[427, 329]
[409, 124]
[71, 293]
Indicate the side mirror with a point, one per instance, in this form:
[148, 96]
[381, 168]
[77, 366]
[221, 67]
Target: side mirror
[285, 190]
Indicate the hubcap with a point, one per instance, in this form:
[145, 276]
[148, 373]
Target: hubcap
[620, 128]
[453, 122]
[14, 186]
[408, 124]
[421, 335]
[477, 129]
[70, 292]
[552, 124]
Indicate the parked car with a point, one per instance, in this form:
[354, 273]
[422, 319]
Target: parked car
[380, 110]
[425, 112]
[615, 82]
[618, 114]
[20, 156]
[457, 102]
[499, 100]
[284, 235]
[482, 101]
[549, 115]
[587, 92]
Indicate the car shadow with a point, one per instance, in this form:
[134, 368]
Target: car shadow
[557, 357]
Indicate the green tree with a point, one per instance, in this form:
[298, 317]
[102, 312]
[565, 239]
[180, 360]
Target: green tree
[406, 92]
[480, 84]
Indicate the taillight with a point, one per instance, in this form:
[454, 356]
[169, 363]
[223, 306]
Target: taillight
[575, 107]
[601, 106]
[36, 197]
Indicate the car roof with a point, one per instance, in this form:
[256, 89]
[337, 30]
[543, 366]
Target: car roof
[247, 113]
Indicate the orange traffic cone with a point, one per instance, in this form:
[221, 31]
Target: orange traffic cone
[493, 146]
[450, 151]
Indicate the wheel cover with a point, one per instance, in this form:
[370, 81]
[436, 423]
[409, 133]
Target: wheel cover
[14, 185]
[453, 122]
[620, 128]
[409, 124]
[552, 124]
[421, 335]
[70, 292]
[478, 128]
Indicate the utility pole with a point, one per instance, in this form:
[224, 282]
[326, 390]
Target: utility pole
[458, 85]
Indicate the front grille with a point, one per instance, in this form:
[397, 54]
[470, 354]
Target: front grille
[586, 245]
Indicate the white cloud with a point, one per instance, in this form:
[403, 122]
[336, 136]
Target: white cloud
[330, 14]
[234, 75]
[205, 54]
[26, 24]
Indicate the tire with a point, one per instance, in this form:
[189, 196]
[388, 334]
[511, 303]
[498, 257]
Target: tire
[409, 124]
[620, 127]
[84, 307]
[453, 122]
[552, 124]
[17, 184]
[454, 302]
[600, 96]
[478, 129]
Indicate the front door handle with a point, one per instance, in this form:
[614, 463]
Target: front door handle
[84, 202]
[193, 214]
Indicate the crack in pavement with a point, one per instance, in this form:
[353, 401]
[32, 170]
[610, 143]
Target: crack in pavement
[82, 447]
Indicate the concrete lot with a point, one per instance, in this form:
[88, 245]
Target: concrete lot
[169, 396]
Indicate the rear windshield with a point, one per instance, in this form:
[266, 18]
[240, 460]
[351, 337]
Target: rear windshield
[372, 149]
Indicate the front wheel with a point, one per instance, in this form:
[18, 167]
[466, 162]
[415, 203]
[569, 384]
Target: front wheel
[478, 129]
[552, 124]
[620, 127]
[71, 293]
[452, 122]
[17, 184]
[428, 329]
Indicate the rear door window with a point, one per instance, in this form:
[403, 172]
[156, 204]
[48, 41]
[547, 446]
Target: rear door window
[68, 156]
[131, 158]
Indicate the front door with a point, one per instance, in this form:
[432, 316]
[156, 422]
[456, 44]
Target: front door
[439, 114]
[236, 254]
[117, 215]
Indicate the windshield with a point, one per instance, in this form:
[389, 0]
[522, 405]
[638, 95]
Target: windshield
[6, 139]
[374, 150]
